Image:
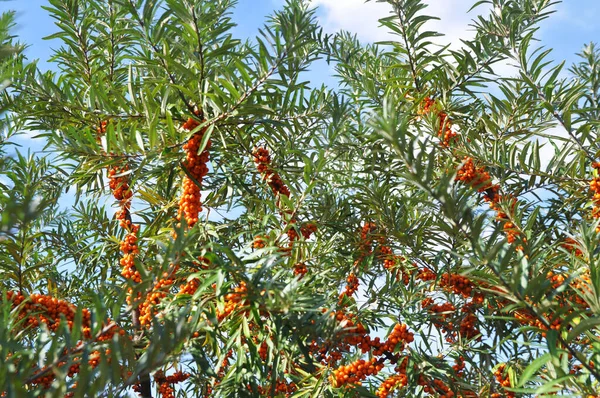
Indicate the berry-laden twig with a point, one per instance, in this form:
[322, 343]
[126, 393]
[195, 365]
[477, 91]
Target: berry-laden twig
[195, 164]
[478, 178]
[446, 133]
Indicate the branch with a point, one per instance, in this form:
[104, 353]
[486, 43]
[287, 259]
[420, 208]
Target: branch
[411, 60]
[158, 56]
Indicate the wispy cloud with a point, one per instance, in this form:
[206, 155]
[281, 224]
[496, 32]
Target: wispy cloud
[362, 18]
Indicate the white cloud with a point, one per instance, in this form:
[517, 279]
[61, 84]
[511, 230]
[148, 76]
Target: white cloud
[355, 16]
[546, 148]
[362, 18]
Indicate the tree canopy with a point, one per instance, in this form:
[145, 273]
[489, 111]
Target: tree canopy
[238, 231]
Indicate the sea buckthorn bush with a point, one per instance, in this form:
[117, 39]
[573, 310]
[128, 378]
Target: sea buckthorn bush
[206, 222]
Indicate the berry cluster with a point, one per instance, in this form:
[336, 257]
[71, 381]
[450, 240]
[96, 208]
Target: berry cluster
[399, 337]
[40, 309]
[101, 129]
[391, 383]
[281, 387]
[442, 312]
[130, 249]
[595, 188]
[196, 168]
[190, 286]
[457, 284]
[459, 365]
[478, 178]
[119, 183]
[351, 287]
[100, 132]
[443, 315]
[262, 159]
[445, 133]
[365, 248]
[425, 275]
[437, 388]
[510, 229]
[503, 379]
[233, 301]
[366, 237]
[300, 269]
[160, 289]
[259, 242]
[393, 264]
[165, 383]
[306, 230]
[356, 372]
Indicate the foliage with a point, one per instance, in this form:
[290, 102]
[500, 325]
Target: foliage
[238, 232]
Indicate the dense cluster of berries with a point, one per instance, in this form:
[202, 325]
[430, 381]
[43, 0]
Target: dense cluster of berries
[525, 317]
[425, 275]
[165, 383]
[300, 269]
[195, 164]
[101, 129]
[442, 312]
[351, 287]
[233, 301]
[38, 309]
[570, 300]
[160, 289]
[130, 249]
[457, 284]
[119, 183]
[581, 286]
[306, 230]
[436, 388]
[356, 372]
[42, 309]
[468, 325]
[443, 315]
[510, 229]
[389, 262]
[262, 159]
[459, 365]
[285, 387]
[259, 242]
[479, 178]
[393, 264]
[366, 237]
[503, 379]
[398, 338]
[391, 383]
[190, 286]
[445, 131]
